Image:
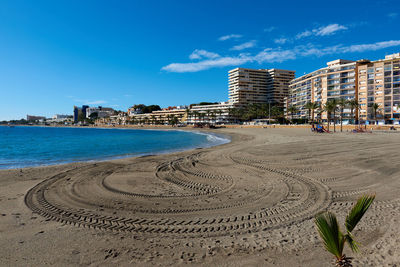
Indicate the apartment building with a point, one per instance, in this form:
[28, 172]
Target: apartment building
[278, 85]
[337, 80]
[250, 86]
[379, 83]
[369, 82]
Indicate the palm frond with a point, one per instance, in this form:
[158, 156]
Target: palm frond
[352, 243]
[358, 211]
[330, 233]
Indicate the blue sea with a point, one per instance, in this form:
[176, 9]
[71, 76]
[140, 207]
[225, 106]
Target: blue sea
[36, 146]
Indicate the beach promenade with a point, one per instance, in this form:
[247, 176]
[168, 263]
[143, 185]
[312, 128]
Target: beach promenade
[247, 203]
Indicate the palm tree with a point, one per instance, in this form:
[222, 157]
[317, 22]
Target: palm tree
[220, 112]
[335, 103]
[353, 103]
[292, 110]
[208, 112]
[342, 104]
[375, 108]
[311, 106]
[195, 115]
[333, 238]
[329, 107]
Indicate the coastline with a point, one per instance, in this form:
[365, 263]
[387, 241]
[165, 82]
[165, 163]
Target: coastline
[274, 172]
[223, 138]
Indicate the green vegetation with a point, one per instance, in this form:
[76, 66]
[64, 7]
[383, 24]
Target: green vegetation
[257, 111]
[375, 108]
[15, 122]
[331, 235]
[204, 104]
[292, 110]
[311, 106]
[147, 109]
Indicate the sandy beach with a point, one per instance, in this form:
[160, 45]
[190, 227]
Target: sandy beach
[247, 203]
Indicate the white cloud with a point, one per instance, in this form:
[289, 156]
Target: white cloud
[330, 29]
[392, 15]
[281, 40]
[206, 64]
[199, 53]
[271, 55]
[303, 34]
[322, 31]
[269, 29]
[370, 47]
[95, 102]
[244, 45]
[230, 36]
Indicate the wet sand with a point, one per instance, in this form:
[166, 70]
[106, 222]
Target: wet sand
[247, 203]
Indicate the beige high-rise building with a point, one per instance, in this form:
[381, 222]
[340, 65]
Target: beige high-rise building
[369, 82]
[250, 86]
[337, 80]
[379, 82]
[278, 85]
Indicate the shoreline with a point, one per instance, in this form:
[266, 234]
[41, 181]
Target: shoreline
[247, 202]
[208, 132]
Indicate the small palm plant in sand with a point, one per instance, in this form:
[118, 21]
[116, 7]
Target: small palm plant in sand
[333, 238]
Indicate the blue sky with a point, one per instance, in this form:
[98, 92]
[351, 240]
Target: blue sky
[57, 54]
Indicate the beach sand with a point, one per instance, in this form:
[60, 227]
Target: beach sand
[247, 203]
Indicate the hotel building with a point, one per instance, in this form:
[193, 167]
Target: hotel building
[250, 86]
[367, 81]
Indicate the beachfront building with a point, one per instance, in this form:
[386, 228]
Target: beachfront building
[374, 84]
[337, 80]
[79, 113]
[31, 118]
[251, 86]
[211, 114]
[379, 83]
[168, 115]
[99, 112]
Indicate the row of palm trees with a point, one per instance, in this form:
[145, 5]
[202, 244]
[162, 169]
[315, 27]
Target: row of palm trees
[237, 114]
[331, 107]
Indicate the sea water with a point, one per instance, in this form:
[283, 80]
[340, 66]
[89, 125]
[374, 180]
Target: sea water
[27, 146]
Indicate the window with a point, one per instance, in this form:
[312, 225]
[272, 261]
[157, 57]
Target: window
[370, 70]
[388, 80]
[388, 73]
[370, 76]
[378, 69]
[388, 67]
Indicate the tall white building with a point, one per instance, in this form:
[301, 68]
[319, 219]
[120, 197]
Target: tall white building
[250, 86]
